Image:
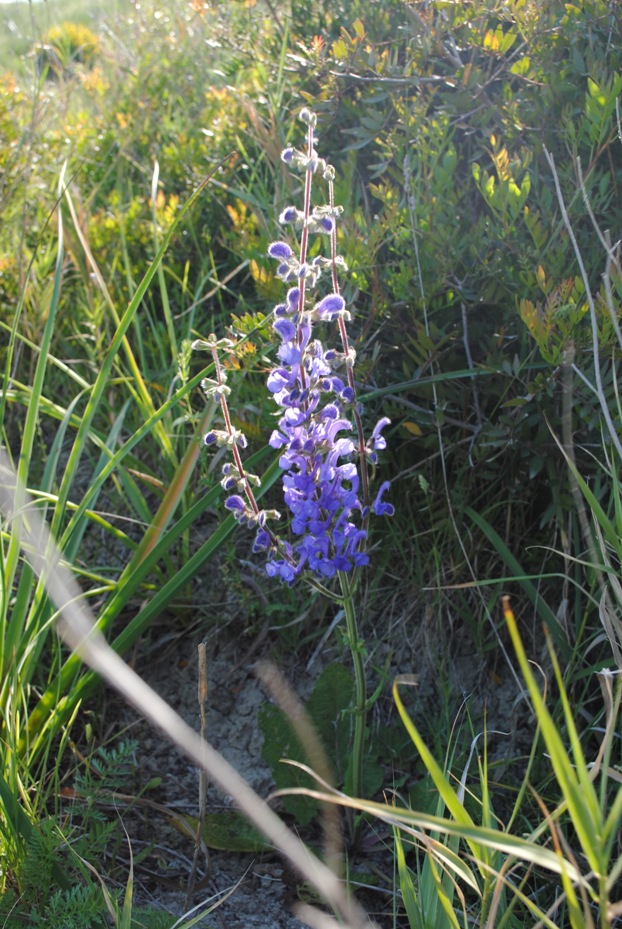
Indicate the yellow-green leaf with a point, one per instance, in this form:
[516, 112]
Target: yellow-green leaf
[339, 49]
[413, 428]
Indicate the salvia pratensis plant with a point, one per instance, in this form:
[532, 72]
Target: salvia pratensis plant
[323, 450]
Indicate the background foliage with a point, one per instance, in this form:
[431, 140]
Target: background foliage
[472, 323]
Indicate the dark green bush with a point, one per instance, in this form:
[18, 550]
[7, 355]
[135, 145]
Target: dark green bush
[446, 113]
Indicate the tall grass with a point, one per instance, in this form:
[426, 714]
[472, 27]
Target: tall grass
[97, 409]
[42, 686]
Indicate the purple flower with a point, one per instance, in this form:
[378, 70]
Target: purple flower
[285, 329]
[262, 541]
[280, 250]
[293, 299]
[380, 508]
[377, 441]
[330, 306]
[236, 504]
[283, 570]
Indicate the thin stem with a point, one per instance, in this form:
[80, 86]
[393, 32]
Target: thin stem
[349, 368]
[360, 705]
[304, 238]
[243, 477]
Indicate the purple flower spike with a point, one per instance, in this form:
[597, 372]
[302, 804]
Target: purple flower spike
[313, 386]
[319, 433]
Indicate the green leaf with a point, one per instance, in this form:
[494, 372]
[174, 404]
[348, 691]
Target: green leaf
[228, 831]
[327, 707]
[596, 93]
[331, 698]
[281, 743]
[339, 49]
[521, 67]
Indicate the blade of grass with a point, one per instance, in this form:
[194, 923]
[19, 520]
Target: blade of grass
[407, 887]
[28, 436]
[578, 792]
[546, 613]
[166, 306]
[405, 819]
[107, 362]
[442, 784]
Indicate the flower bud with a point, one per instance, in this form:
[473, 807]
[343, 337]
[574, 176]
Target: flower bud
[308, 117]
[289, 215]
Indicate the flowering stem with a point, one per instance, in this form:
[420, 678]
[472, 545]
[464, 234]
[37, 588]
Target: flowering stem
[250, 496]
[326, 473]
[304, 239]
[360, 705]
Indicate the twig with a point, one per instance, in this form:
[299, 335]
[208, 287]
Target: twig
[471, 366]
[610, 249]
[402, 81]
[199, 844]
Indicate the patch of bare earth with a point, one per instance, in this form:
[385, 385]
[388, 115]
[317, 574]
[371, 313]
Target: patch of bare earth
[259, 890]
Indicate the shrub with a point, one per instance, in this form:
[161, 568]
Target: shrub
[62, 47]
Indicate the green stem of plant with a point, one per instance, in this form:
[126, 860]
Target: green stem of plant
[356, 648]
